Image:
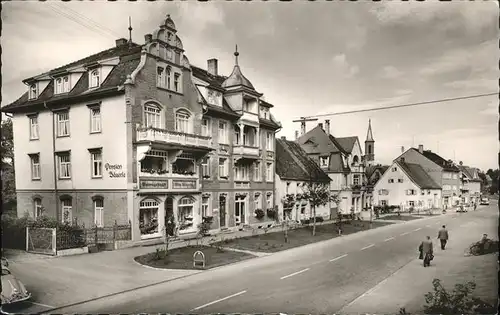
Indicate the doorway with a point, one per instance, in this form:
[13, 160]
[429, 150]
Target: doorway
[239, 210]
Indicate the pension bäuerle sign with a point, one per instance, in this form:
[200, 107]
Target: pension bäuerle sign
[114, 170]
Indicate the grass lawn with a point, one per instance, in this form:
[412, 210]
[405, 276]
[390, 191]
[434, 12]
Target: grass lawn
[182, 258]
[401, 217]
[275, 241]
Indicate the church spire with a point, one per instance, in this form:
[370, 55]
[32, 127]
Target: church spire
[369, 134]
[236, 54]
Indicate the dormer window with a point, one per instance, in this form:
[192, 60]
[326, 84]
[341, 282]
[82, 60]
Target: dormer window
[33, 93]
[323, 161]
[264, 112]
[62, 85]
[95, 78]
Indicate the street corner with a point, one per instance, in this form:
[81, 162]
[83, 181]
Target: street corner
[30, 306]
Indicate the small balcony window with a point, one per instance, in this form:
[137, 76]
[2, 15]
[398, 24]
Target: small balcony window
[154, 165]
[183, 167]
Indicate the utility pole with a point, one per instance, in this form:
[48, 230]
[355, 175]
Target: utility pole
[303, 121]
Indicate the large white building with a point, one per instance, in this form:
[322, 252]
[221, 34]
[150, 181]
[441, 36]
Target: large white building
[407, 185]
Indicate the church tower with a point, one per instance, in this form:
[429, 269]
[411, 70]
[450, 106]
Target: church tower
[369, 145]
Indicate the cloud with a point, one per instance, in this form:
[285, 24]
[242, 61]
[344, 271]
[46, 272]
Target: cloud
[342, 65]
[391, 72]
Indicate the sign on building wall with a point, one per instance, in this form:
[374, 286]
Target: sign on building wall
[150, 184]
[114, 170]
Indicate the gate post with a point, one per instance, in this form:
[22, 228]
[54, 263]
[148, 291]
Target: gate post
[27, 237]
[54, 241]
[95, 236]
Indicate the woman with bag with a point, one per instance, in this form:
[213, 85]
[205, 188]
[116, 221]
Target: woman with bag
[427, 251]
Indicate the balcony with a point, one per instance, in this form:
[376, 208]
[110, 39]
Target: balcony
[246, 150]
[173, 137]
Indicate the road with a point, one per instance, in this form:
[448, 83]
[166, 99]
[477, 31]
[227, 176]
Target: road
[318, 278]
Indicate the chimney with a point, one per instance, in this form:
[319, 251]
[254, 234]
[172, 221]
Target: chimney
[296, 134]
[212, 66]
[327, 126]
[283, 137]
[302, 128]
[461, 163]
[121, 42]
[402, 149]
[148, 38]
[421, 148]
[321, 125]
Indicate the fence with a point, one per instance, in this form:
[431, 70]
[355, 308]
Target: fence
[41, 240]
[13, 237]
[108, 235]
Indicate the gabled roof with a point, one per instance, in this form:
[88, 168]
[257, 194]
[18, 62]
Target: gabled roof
[347, 143]
[316, 141]
[418, 175]
[370, 169]
[293, 163]
[469, 172]
[129, 60]
[447, 166]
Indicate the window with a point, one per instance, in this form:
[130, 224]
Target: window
[411, 192]
[455, 176]
[99, 212]
[237, 135]
[269, 141]
[66, 210]
[446, 187]
[95, 78]
[222, 168]
[428, 192]
[411, 203]
[303, 208]
[447, 175]
[148, 217]
[256, 201]
[96, 160]
[205, 127]
[66, 84]
[35, 166]
[205, 167]
[241, 172]
[95, 120]
[383, 202]
[182, 121]
[323, 161]
[287, 188]
[33, 91]
[269, 172]
[400, 180]
[62, 85]
[63, 124]
[394, 169]
[176, 82]
[257, 172]
[160, 76]
[34, 135]
[383, 192]
[391, 180]
[64, 165]
[205, 206]
[355, 179]
[59, 86]
[38, 209]
[269, 200]
[454, 187]
[223, 132]
[152, 116]
[168, 72]
[264, 112]
[185, 208]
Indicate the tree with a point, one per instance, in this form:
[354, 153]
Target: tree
[7, 167]
[494, 180]
[317, 194]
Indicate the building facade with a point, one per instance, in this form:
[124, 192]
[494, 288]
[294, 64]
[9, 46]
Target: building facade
[444, 172]
[295, 172]
[407, 186]
[142, 136]
[470, 187]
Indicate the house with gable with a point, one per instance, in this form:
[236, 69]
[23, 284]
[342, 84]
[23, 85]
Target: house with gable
[407, 186]
[470, 187]
[444, 172]
[139, 136]
[343, 160]
[294, 171]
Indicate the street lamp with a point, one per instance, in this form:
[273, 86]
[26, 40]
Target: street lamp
[371, 215]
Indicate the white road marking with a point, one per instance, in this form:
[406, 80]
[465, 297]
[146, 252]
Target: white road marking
[417, 229]
[366, 247]
[388, 239]
[293, 274]
[219, 300]
[405, 233]
[40, 304]
[337, 258]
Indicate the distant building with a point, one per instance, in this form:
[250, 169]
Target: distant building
[470, 187]
[294, 171]
[407, 185]
[444, 172]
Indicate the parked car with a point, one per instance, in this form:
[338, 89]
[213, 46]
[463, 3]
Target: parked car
[484, 201]
[13, 290]
[462, 208]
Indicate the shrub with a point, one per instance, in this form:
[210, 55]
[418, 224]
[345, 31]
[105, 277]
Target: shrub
[271, 213]
[458, 301]
[259, 213]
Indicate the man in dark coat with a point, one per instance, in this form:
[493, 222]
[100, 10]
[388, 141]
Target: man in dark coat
[427, 251]
[443, 237]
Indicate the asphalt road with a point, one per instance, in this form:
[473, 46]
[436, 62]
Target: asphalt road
[318, 278]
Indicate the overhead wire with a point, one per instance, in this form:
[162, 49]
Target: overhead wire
[401, 105]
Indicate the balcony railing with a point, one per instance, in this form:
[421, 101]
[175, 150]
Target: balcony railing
[167, 136]
[246, 150]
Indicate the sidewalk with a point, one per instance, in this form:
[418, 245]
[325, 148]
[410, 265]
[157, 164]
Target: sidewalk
[407, 286]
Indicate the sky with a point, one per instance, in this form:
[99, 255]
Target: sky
[308, 58]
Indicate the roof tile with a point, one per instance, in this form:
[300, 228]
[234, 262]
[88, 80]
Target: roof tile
[418, 175]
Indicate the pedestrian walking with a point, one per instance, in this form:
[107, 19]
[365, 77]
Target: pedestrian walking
[427, 251]
[443, 237]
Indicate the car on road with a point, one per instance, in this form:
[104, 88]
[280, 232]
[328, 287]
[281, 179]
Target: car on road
[462, 208]
[13, 290]
[484, 202]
